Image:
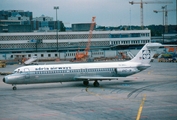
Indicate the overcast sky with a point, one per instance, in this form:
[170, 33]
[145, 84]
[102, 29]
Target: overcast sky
[107, 12]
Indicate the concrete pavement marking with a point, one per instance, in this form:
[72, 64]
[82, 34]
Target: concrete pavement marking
[141, 108]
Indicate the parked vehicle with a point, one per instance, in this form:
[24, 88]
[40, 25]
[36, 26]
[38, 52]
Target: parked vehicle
[2, 64]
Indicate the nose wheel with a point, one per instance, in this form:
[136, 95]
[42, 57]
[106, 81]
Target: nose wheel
[14, 88]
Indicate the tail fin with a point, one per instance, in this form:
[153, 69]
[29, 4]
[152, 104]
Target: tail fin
[146, 53]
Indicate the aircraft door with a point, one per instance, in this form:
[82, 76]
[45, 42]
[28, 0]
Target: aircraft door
[27, 73]
[116, 71]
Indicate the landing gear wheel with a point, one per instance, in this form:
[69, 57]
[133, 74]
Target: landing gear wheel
[86, 83]
[96, 84]
[14, 88]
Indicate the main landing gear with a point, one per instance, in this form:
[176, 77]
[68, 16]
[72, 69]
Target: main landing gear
[86, 83]
[95, 84]
[14, 87]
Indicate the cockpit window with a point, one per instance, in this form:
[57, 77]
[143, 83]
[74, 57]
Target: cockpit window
[17, 71]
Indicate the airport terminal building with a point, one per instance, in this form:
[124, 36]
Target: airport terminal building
[44, 44]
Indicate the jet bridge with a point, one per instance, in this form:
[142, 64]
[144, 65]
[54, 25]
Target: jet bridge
[31, 60]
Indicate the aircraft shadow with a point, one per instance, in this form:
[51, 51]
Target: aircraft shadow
[79, 84]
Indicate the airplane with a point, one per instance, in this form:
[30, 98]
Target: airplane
[82, 71]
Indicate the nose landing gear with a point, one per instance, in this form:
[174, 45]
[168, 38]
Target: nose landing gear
[14, 87]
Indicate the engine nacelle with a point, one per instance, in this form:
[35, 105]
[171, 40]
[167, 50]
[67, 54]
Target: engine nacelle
[126, 71]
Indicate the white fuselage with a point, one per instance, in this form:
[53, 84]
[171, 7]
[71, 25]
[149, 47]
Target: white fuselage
[70, 72]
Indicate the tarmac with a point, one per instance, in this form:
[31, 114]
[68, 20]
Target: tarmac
[151, 95]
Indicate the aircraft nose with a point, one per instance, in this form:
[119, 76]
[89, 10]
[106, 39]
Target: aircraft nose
[4, 80]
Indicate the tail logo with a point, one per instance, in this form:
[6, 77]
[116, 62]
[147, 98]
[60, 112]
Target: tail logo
[146, 54]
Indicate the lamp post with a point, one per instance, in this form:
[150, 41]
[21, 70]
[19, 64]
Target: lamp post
[163, 8]
[56, 8]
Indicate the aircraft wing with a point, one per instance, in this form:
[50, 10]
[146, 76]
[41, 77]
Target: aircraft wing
[90, 78]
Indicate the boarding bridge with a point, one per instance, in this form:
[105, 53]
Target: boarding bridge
[130, 54]
[31, 60]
